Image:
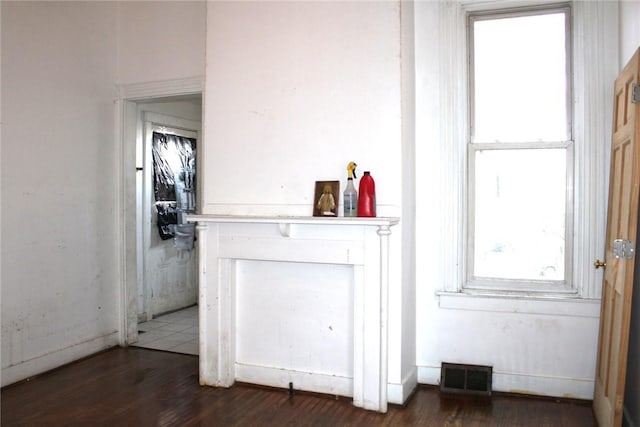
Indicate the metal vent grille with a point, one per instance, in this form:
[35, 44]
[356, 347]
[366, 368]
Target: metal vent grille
[466, 379]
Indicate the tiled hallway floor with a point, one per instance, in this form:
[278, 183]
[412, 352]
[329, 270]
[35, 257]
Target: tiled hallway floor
[176, 332]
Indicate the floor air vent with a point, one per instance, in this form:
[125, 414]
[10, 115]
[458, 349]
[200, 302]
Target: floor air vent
[466, 379]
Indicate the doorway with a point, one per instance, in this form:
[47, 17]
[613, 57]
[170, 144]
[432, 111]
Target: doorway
[160, 283]
[165, 193]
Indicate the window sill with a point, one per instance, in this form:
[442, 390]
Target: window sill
[525, 304]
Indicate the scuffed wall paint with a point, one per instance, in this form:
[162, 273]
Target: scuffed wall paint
[61, 62]
[59, 283]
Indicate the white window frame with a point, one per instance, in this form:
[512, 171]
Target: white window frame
[441, 129]
[472, 282]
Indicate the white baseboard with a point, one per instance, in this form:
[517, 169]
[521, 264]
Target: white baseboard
[399, 393]
[46, 362]
[572, 388]
[306, 381]
[319, 383]
[429, 375]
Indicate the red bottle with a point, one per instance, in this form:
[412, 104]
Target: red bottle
[367, 196]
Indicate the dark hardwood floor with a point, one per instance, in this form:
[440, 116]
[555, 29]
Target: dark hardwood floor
[140, 387]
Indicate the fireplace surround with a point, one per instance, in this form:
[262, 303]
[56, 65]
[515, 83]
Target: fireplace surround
[361, 245]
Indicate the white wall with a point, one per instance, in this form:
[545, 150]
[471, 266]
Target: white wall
[61, 62]
[629, 43]
[629, 29]
[294, 91]
[59, 298]
[405, 301]
[160, 40]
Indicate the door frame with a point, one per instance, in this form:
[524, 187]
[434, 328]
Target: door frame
[126, 118]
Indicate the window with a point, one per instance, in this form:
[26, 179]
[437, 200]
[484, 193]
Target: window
[520, 148]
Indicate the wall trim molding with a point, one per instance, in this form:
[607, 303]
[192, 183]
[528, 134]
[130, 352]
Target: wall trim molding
[445, 120]
[558, 306]
[305, 381]
[399, 393]
[156, 89]
[528, 384]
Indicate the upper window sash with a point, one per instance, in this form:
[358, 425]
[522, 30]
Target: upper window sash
[496, 115]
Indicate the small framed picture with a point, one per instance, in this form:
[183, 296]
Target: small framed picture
[326, 198]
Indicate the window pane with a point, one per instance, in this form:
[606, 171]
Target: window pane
[519, 71]
[520, 202]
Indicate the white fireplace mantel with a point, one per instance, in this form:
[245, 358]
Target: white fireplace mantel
[359, 243]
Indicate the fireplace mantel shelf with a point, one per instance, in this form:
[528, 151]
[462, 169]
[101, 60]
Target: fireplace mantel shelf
[285, 222]
[310, 220]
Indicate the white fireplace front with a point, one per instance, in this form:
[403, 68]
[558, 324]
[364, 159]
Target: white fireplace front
[296, 302]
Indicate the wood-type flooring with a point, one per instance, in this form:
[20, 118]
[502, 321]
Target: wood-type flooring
[141, 387]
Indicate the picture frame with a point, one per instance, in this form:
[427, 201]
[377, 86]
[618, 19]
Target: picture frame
[326, 198]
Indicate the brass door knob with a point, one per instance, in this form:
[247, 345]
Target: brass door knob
[597, 264]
